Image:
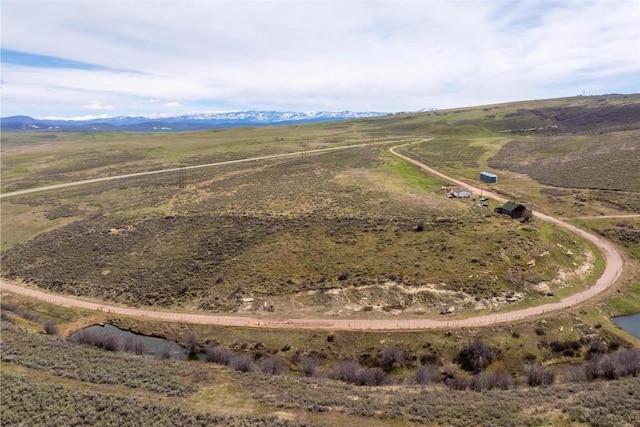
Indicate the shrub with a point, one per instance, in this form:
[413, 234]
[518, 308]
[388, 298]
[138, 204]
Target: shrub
[595, 348]
[458, 382]
[491, 380]
[7, 316]
[27, 315]
[273, 366]
[391, 357]
[165, 353]
[7, 306]
[612, 366]
[449, 370]
[566, 348]
[609, 368]
[309, 366]
[424, 375]
[576, 374]
[429, 358]
[241, 362]
[191, 342]
[475, 356]
[629, 359]
[51, 328]
[352, 372]
[372, 376]
[536, 375]
[219, 354]
[347, 371]
[108, 341]
[135, 345]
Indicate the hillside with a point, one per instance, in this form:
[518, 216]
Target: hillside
[337, 228]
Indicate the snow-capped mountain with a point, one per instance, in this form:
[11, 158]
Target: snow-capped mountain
[178, 121]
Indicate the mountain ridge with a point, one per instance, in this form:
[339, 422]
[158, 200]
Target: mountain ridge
[179, 121]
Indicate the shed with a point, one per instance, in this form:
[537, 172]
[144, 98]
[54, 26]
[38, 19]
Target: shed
[488, 177]
[460, 192]
[515, 210]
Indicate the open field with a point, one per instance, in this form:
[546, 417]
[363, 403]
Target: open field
[351, 234]
[331, 233]
[338, 221]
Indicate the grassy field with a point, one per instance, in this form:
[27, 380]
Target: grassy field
[355, 233]
[281, 229]
[325, 233]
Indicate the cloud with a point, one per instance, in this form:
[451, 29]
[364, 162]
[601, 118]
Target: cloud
[302, 55]
[98, 106]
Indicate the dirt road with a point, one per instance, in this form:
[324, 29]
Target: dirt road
[605, 216]
[159, 171]
[612, 272]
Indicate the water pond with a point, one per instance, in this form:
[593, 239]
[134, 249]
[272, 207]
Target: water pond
[630, 324]
[113, 338]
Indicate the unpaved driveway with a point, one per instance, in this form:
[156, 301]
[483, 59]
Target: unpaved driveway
[612, 272]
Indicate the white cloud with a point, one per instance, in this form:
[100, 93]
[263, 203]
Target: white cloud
[305, 55]
[98, 106]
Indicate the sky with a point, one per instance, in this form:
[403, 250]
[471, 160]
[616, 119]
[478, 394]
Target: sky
[93, 58]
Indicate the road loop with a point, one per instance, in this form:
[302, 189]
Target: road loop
[612, 272]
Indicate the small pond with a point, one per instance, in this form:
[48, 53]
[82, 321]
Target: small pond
[114, 338]
[630, 324]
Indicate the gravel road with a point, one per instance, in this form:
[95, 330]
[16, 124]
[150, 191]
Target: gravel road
[613, 270]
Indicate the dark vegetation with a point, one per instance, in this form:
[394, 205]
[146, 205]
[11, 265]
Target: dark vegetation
[382, 367]
[582, 161]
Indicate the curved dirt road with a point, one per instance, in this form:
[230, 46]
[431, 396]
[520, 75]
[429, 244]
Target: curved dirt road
[613, 270]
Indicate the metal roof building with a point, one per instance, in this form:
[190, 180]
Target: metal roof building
[488, 177]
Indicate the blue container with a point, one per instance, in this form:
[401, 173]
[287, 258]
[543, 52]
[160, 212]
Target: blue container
[488, 177]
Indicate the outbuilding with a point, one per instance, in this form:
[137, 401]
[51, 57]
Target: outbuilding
[488, 177]
[515, 210]
[460, 192]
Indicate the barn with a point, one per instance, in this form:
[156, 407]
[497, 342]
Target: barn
[515, 210]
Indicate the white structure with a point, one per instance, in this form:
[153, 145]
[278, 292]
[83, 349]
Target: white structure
[460, 192]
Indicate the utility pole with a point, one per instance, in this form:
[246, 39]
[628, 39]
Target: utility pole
[183, 177]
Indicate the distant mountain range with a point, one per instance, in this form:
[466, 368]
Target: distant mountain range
[179, 122]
